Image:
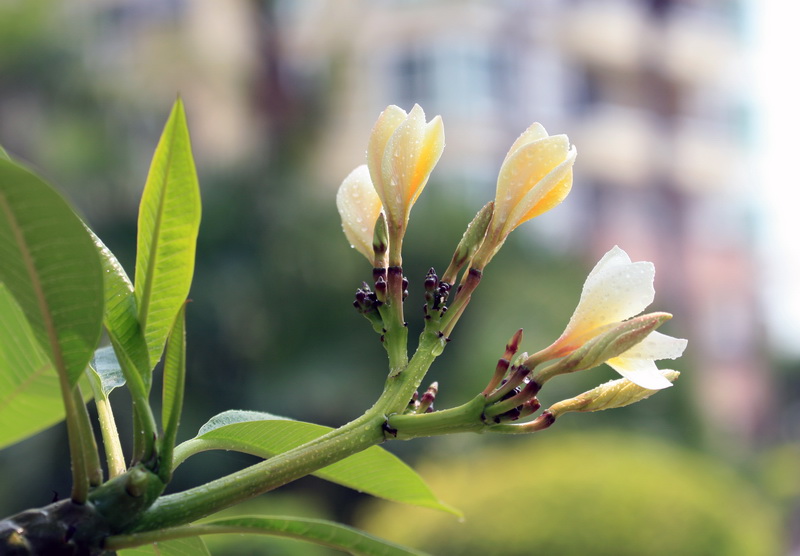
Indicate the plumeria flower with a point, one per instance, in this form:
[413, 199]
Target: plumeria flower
[359, 206]
[535, 176]
[616, 290]
[403, 149]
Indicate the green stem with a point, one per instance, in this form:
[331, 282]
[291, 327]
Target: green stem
[144, 423]
[91, 457]
[115, 459]
[354, 437]
[192, 504]
[108, 427]
[80, 476]
[396, 336]
[464, 418]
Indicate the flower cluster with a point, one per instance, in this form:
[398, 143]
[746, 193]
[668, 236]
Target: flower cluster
[403, 149]
[607, 326]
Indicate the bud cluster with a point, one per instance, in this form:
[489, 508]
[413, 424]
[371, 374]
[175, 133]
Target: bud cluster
[367, 303]
[423, 404]
[511, 394]
[436, 294]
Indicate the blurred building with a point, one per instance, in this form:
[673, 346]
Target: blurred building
[652, 93]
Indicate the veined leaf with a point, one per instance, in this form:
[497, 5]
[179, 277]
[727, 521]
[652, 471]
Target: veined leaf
[30, 399]
[374, 471]
[172, 398]
[318, 531]
[51, 268]
[190, 546]
[169, 219]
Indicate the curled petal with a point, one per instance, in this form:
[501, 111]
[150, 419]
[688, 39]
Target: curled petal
[534, 132]
[522, 173]
[359, 207]
[409, 156]
[403, 149]
[548, 193]
[615, 290]
[642, 372]
[657, 346]
[389, 120]
[535, 176]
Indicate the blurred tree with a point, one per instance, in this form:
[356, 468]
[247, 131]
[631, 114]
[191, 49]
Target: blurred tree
[604, 493]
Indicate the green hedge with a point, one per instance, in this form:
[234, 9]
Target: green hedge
[604, 493]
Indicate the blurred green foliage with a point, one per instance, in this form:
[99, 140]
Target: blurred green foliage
[604, 493]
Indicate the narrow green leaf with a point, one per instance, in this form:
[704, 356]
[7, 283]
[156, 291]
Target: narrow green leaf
[190, 546]
[172, 397]
[51, 267]
[317, 531]
[169, 219]
[30, 399]
[122, 323]
[121, 316]
[4, 154]
[374, 471]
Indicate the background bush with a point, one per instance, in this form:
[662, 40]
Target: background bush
[600, 493]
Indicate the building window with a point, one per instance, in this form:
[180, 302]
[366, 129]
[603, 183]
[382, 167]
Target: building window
[453, 76]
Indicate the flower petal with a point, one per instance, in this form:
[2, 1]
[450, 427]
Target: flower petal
[615, 290]
[359, 207]
[523, 169]
[657, 346]
[388, 122]
[547, 194]
[534, 132]
[429, 154]
[642, 372]
[614, 257]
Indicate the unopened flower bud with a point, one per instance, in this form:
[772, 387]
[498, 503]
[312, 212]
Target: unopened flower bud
[431, 281]
[380, 242]
[427, 399]
[470, 241]
[381, 287]
[613, 394]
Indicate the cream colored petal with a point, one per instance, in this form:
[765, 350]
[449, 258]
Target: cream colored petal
[388, 122]
[642, 372]
[657, 346]
[524, 169]
[614, 257]
[535, 132]
[429, 153]
[612, 293]
[399, 166]
[546, 194]
[359, 207]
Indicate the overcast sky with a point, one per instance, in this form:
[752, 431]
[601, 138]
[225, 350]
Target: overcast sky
[777, 88]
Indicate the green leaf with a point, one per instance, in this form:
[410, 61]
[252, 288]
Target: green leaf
[172, 397]
[169, 219]
[4, 154]
[30, 399]
[121, 316]
[52, 269]
[122, 323]
[190, 546]
[374, 471]
[317, 531]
